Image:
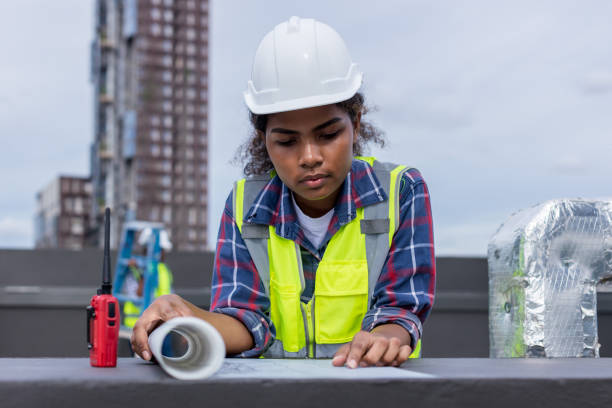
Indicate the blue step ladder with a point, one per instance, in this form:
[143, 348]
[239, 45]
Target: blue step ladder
[146, 263]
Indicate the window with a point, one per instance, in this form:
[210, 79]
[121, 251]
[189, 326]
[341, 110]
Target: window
[165, 196]
[154, 135]
[168, 15]
[155, 13]
[167, 214]
[192, 216]
[168, 151]
[154, 214]
[168, 121]
[167, 106]
[167, 136]
[189, 123]
[191, 34]
[155, 120]
[78, 205]
[76, 227]
[167, 45]
[166, 165]
[168, 31]
[167, 76]
[167, 91]
[155, 29]
[68, 205]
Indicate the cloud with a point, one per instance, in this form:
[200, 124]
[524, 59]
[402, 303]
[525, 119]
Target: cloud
[471, 238]
[15, 232]
[597, 82]
[569, 165]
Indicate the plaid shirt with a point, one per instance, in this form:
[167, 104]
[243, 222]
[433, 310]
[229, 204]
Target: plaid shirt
[404, 292]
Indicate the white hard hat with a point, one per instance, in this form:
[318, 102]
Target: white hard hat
[145, 235]
[300, 64]
[164, 240]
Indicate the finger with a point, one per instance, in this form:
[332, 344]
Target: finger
[359, 345]
[148, 321]
[340, 356]
[139, 340]
[376, 351]
[392, 351]
[404, 354]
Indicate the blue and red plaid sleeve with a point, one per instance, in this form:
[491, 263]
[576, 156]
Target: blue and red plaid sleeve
[405, 290]
[237, 290]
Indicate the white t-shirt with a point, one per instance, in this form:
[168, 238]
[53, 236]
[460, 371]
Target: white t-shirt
[314, 228]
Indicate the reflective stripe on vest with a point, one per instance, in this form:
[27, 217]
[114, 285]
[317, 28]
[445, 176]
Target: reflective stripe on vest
[345, 278]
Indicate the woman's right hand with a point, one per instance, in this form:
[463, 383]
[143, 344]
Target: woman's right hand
[164, 308]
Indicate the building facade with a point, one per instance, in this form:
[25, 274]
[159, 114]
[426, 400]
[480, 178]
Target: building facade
[149, 156]
[63, 213]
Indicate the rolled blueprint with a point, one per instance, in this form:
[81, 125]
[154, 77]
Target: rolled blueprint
[204, 349]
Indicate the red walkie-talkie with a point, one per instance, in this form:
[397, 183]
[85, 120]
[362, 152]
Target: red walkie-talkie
[103, 314]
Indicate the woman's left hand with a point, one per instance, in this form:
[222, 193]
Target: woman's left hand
[382, 347]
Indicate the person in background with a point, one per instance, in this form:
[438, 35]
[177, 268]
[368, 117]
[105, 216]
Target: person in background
[134, 282]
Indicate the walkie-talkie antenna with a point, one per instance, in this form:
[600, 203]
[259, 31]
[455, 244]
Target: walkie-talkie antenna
[106, 276]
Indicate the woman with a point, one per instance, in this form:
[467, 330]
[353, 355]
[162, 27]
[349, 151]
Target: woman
[320, 253]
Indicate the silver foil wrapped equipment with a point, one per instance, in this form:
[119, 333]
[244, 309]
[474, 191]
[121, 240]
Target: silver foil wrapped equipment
[544, 265]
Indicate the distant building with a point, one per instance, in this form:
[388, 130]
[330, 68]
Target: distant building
[149, 156]
[62, 213]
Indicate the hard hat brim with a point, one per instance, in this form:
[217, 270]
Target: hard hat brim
[301, 103]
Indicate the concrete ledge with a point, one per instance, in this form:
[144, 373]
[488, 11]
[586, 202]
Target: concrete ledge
[453, 382]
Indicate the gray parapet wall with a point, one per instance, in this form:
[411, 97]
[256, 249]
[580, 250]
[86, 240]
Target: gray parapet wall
[43, 294]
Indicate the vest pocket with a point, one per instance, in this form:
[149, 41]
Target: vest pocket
[286, 314]
[341, 300]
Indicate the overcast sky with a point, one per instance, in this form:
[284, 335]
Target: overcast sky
[501, 105]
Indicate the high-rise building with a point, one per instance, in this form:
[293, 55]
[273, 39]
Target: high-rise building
[149, 157]
[62, 213]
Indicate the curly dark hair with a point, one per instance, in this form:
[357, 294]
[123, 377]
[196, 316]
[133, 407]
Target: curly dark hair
[254, 156]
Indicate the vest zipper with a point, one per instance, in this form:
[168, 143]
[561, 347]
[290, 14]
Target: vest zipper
[307, 332]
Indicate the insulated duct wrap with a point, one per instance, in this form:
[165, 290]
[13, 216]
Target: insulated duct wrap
[544, 265]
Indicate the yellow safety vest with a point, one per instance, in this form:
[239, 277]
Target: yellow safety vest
[345, 277]
[131, 312]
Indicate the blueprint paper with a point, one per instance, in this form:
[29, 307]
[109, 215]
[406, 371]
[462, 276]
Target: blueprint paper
[307, 369]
